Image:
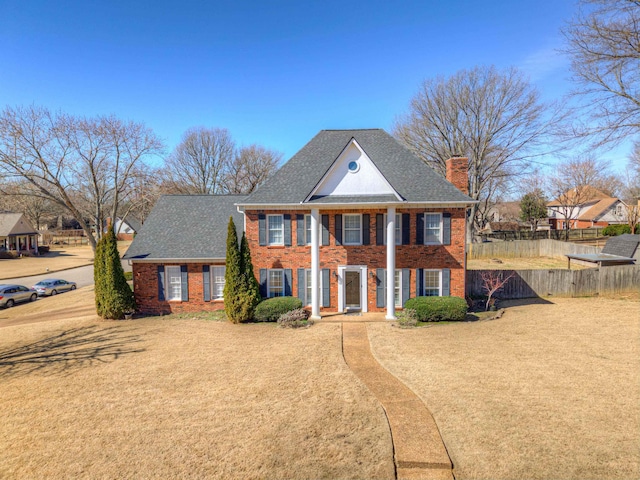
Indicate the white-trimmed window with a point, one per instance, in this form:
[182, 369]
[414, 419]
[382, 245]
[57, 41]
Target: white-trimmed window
[275, 283]
[217, 282]
[352, 229]
[432, 228]
[398, 229]
[433, 283]
[307, 229]
[307, 290]
[397, 287]
[275, 229]
[173, 280]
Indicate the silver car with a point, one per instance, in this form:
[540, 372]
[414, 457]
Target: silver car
[53, 286]
[12, 294]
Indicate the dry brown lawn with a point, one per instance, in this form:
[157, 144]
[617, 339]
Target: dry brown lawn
[178, 397]
[550, 390]
[529, 263]
[57, 259]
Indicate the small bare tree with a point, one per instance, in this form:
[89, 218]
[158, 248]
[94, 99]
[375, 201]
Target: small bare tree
[603, 43]
[251, 166]
[492, 282]
[201, 161]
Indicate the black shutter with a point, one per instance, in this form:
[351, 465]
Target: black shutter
[287, 282]
[406, 289]
[446, 282]
[338, 234]
[262, 229]
[287, 229]
[406, 229]
[206, 283]
[381, 300]
[263, 282]
[326, 292]
[302, 287]
[419, 228]
[161, 294]
[325, 229]
[379, 229]
[446, 228]
[419, 282]
[184, 283]
[366, 233]
[301, 230]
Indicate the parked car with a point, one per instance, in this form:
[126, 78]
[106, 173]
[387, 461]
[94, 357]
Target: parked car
[53, 286]
[12, 294]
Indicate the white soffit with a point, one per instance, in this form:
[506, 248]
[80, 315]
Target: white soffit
[353, 174]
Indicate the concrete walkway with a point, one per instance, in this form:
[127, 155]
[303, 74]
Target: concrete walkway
[418, 447]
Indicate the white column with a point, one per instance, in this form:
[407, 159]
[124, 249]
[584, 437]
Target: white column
[315, 264]
[391, 262]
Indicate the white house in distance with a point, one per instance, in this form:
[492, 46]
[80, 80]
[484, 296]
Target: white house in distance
[17, 234]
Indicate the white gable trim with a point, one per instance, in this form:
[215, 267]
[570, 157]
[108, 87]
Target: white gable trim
[366, 163]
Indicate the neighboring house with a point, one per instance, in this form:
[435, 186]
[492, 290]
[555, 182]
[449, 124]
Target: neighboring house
[586, 209]
[504, 212]
[126, 229]
[496, 227]
[349, 214]
[17, 234]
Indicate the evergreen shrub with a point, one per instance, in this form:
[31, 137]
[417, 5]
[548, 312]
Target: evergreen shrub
[438, 309]
[269, 310]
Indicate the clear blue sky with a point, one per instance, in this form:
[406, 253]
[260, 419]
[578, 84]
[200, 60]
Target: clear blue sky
[272, 72]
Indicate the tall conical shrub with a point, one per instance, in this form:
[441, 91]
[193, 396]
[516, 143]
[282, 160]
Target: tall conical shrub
[113, 294]
[234, 284]
[251, 284]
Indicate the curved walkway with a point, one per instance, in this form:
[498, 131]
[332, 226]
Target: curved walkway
[418, 447]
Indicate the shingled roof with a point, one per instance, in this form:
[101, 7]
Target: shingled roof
[187, 227]
[15, 224]
[411, 178]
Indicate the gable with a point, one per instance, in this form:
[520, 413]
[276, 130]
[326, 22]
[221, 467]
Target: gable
[353, 174]
[14, 224]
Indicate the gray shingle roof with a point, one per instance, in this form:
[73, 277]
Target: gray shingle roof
[407, 174]
[190, 227]
[623, 245]
[15, 224]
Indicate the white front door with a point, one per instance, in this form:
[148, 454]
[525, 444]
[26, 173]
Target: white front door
[352, 288]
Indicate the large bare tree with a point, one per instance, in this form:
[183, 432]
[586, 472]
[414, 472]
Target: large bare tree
[494, 117]
[201, 161]
[83, 165]
[250, 167]
[603, 42]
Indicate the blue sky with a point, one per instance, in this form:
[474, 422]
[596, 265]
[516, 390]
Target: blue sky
[272, 72]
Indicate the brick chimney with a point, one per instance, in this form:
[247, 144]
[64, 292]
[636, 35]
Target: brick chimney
[457, 173]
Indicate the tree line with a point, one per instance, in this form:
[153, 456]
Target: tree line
[92, 168]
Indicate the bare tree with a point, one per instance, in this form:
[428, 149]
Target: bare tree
[492, 281]
[199, 164]
[495, 118]
[21, 197]
[574, 182]
[250, 167]
[82, 165]
[603, 42]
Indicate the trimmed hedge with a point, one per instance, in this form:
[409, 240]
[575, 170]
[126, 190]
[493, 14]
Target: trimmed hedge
[437, 309]
[615, 230]
[270, 310]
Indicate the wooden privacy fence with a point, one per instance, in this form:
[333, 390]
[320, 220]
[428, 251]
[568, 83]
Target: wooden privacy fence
[527, 248]
[562, 283]
[574, 234]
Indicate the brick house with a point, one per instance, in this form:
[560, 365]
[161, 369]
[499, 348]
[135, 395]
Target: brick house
[587, 209]
[351, 213]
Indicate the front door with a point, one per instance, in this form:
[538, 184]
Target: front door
[352, 289]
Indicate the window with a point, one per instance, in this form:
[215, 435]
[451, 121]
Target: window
[432, 228]
[307, 292]
[217, 282]
[173, 283]
[307, 229]
[275, 283]
[352, 228]
[397, 288]
[398, 229]
[432, 283]
[275, 227]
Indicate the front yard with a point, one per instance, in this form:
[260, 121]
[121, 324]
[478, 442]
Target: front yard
[550, 390]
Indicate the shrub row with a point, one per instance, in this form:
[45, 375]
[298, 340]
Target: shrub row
[437, 309]
[615, 230]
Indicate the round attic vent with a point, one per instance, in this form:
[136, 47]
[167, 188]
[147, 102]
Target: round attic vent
[354, 166]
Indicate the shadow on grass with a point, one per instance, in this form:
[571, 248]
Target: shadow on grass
[71, 349]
